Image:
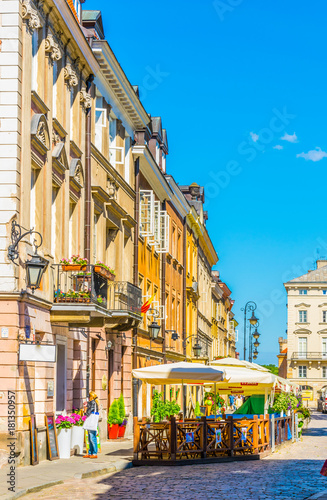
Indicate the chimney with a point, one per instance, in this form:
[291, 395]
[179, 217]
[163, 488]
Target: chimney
[321, 263]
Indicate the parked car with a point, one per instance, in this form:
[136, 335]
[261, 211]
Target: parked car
[322, 402]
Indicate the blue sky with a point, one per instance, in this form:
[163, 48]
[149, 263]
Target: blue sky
[219, 73]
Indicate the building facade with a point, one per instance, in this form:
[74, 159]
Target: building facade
[307, 331]
[83, 174]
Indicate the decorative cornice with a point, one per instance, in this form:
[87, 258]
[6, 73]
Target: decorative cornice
[52, 48]
[70, 75]
[31, 15]
[302, 305]
[85, 99]
[302, 331]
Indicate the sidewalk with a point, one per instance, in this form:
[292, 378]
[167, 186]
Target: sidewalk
[113, 457]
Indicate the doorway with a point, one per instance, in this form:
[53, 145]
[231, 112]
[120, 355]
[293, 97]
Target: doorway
[61, 385]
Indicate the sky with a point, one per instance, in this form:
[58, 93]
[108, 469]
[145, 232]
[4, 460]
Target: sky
[241, 89]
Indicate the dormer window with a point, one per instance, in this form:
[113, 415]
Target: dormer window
[157, 153]
[163, 162]
[303, 291]
[78, 8]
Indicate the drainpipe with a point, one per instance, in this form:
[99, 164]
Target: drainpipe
[87, 230]
[87, 217]
[136, 273]
[184, 287]
[163, 299]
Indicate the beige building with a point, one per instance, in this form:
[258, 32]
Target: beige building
[307, 330]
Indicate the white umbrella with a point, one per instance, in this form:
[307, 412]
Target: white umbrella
[178, 373]
[233, 362]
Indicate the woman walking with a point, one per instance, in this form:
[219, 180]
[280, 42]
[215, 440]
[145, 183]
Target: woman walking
[92, 413]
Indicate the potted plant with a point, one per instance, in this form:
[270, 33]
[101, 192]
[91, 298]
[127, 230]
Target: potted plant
[113, 420]
[197, 410]
[77, 437]
[104, 271]
[75, 263]
[64, 425]
[122, 414]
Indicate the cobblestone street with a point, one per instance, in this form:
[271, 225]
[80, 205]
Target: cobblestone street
[291, 473]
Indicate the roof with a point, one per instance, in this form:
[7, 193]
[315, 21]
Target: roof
[90, 15]
[316, 276]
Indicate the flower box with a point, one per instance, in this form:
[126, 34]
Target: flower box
[105, 273]
[73, 267]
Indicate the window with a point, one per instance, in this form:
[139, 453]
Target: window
[324, 347]
[77, 7]
[324, 316]
[54, 223]
[54, 88]
[100, 122]
[95, 237]
[173, 241]
[303, 291]
[324, 372]
[127, 159]
[34, 174]
[116, 154]
[163, 162]
[72, 228]
[324, 292]
[302, 347]
[72, 97]
[157, 153]
[35, 47]
[303, 316]
[179, 239]
[302, 372]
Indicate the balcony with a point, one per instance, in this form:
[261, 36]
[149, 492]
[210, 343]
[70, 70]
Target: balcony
[310, 356]
[84, 295]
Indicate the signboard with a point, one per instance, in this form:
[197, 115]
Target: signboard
[34, 445]
[50, 389]
[4, 332]
[50, 423]
[37, 352]
[307, 395]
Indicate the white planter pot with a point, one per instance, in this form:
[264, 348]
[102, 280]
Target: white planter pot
[64, 440]
[288, 413]
[77, 441]
[282, 413]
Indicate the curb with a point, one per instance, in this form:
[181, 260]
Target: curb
[321, 494]
[100, 472]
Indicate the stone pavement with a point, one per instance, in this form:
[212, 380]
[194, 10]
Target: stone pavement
[291, 473]
[115, 456]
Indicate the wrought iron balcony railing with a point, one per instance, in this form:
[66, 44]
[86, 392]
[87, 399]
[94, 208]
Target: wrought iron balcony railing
[309, 355]
[90, 285]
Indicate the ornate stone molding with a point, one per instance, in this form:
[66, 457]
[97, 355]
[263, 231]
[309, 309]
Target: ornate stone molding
[31, 16]
[52, 48]
[85, 99]
[70, 75]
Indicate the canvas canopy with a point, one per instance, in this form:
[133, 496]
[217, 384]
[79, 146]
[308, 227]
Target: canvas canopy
[233, 362]
[178, 373]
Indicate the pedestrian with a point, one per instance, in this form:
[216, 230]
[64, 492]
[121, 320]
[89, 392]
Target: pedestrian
[231, 402]
[91, 424]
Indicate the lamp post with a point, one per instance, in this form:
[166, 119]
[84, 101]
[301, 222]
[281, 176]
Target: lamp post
[249, 307]
[255, 335]
[34, 267]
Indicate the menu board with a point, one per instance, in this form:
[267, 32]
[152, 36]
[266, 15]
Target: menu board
[52, 436]
[34, 445]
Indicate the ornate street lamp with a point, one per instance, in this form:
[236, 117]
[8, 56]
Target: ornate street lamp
[253, 320]
[249, 307]
[35, 267]
[256, 344]
[256, 334]
[197, 348]
[154, 330]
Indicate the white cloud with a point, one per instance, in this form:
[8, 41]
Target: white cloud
[254, 136]
[278, 146]
[289, 138]
[313, 155]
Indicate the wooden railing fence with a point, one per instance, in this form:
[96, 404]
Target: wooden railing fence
[206, 438]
